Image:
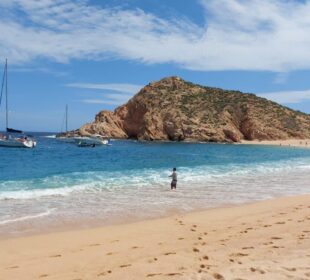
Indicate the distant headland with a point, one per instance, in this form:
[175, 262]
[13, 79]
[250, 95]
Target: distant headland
[177, 110]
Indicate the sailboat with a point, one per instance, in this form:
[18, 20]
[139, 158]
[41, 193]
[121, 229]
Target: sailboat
[80, 141]
[64, 136]
[12, 137]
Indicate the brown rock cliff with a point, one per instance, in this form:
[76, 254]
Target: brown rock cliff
[173, 109]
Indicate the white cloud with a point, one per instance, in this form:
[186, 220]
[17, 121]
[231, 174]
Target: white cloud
[237, 35]
[95, 101]
[109, 99]
[128, 88]
[281, 78]
[118, 95]
[287, 97]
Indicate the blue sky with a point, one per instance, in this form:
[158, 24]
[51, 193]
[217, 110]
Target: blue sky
[95, 55]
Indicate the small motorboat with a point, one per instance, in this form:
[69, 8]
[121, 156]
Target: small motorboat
[91, 141]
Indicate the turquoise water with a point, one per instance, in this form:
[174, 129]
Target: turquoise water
[61, 184]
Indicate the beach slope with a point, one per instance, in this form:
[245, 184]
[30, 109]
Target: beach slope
[264, 240]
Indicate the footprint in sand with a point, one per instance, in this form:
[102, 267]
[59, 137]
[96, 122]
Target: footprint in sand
[170, 253]
[135, 247]
[153, 260]
[173, 274]
[125, 265]
[95, 244]
[104, 273]
[43, 275]
[246, 248]
[55, 256]
[195, 250]
[218, 276]
[180, 238]
[267, 225]
[239, 255]
[153, 274]
[280, 223]
[275, 238]
[301, 236]
[13, 267]
[253, 269]
[290, 268]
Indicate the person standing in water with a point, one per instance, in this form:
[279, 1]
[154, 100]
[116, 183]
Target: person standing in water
[174, 178]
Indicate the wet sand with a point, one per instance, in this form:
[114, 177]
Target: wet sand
[264, 240]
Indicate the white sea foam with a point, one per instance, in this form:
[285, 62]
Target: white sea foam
[98, 181]
[37, 193]
[28, 217]
[144, 193]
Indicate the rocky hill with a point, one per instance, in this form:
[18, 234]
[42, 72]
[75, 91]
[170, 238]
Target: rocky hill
[173, 109]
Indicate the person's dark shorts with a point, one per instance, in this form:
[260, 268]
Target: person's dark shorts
[174, 184]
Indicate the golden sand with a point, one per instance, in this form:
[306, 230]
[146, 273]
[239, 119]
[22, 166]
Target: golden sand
[302, 143]
[265, 240]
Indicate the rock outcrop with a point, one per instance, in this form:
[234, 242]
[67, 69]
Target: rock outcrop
[173, 109]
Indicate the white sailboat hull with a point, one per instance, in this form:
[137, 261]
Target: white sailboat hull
[17, 143]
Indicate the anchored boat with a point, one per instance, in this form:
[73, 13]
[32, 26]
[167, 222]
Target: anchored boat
[12, 137]
[91, 141]
[64, 136]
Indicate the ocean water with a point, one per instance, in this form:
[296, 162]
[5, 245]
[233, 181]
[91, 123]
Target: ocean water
[60, 185]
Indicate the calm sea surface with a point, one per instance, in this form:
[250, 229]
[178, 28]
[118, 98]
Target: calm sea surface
[58, 184]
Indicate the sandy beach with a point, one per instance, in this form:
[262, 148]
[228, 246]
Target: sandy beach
[302, 143]
[263, 240]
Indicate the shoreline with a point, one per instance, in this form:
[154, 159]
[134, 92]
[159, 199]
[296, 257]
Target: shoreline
[85, 224]
[73, 227]
[297, 143]
[268, 239]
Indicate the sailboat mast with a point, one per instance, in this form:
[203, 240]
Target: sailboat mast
[66, 118]
[6, 94]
